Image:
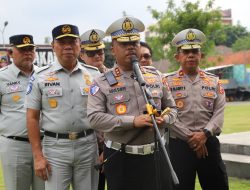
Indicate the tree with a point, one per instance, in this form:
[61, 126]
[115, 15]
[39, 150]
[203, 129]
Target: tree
[174, 19]
[109, 58]
[242, 44]
[230, 34]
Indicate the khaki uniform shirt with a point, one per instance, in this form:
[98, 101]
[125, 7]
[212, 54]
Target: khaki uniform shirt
[61, 96]
[112, 109]
[200, 103]
[13, 84]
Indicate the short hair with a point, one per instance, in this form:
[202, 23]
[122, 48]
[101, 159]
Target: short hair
[144, 44]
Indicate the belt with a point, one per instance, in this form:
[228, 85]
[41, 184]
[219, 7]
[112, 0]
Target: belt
[18, 138]
[70, 135]
[134, 149]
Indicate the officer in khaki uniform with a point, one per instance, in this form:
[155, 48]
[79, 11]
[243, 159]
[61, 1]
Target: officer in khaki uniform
[92, 53]
[15, 150]
[59, 92]
[200, 100]
[92, 49]
[116, 107]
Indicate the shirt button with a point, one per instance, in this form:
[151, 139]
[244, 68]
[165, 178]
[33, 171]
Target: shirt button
[71, 90]
[72, 107]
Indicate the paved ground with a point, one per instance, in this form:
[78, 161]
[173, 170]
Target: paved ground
[242, 138]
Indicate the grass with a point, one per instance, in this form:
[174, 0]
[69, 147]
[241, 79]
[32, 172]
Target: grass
[237, 119]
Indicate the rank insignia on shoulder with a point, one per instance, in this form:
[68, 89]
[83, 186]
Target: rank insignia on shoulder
[94, 89]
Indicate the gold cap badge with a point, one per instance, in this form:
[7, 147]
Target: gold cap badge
[66, 29]
[26, 40]
[127, 25]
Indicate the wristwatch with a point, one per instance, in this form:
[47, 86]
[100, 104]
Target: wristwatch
[207, 133]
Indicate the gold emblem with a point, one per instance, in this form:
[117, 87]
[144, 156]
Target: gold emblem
[51, 79]
[66, 29]
[53, 103]
[179, 104]
[73, 135]
[94, 37]
[86, 90]
[121, 109]
[16, 97]
[190, 35]
[26, 40]
[127, 25]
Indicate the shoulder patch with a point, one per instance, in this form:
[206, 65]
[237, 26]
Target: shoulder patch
[3, 68]
[89, 66]
[39, 69]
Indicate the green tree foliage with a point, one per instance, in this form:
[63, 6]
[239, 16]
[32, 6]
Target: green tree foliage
[230, 34]
[109, 58]
[174, 19]
[242, 44]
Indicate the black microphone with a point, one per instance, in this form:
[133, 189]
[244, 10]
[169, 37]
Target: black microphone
[137, 70]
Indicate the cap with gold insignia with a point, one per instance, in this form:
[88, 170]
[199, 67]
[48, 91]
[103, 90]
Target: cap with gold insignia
[189, 39]
[126, 29]
[91, 40]
[65, 30]
[21, 40]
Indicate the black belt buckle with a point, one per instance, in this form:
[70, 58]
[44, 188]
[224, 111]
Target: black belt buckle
[73, 135]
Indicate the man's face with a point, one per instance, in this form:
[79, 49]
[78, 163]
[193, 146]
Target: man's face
[123, 51]
[189, 59]
[23, 57]
[67, 49]
[94, 58]
[145, 56]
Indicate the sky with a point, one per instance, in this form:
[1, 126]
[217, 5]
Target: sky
[39, 17]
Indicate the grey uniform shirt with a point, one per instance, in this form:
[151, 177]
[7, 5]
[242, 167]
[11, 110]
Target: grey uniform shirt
[61, 96]
[112, 109]
[200, 103]
[13, 84]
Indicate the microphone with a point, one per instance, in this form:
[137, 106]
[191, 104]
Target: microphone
[137, 70]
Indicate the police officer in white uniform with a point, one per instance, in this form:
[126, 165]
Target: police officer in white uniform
[92, 49]
[16, 154]
[59, 92]
[200, 100]
[116, 107]
[92, 53]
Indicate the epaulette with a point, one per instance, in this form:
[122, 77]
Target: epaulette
[89, 66]
[3, 68]
[150, 69]
[170, 74]
[210, 74]
[39, 69]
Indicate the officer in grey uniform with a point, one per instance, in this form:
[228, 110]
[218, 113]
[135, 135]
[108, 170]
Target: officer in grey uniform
[92, 49]
[59, 92]
[116, 107]
[92, 53]
[200, 100]
[16, 154]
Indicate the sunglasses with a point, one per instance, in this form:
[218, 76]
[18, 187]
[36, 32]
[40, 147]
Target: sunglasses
[188, 51]
[145, 56]
[93, 53]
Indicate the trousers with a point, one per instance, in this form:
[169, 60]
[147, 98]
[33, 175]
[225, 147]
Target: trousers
[17, 165]
[72, 162]
[211, 170]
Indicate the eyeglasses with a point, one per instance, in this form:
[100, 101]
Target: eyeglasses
[188, 51]
[93, 53]
[145, 56]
